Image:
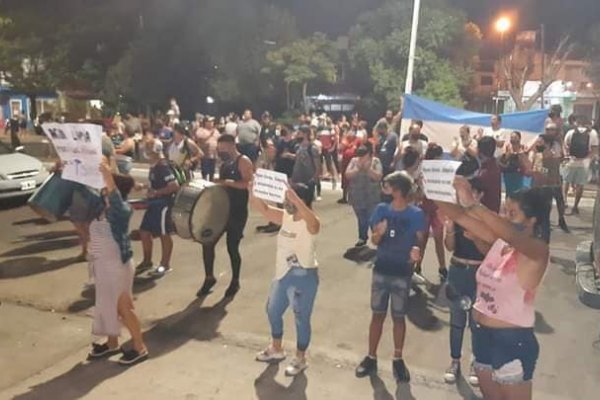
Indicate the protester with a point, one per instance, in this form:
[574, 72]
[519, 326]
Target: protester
[306, 163]
[125, 152]
[231, 124]
[296, 277]
[413, 140]
[496, 132]
[512, 163]
[545, 158]
[489, 173]
[112, 266]
[581, 147]
[464, 146]
[235, 174]
[329, 143]
[434, 223]
[183, 153]
[348, 145]
[248, 135]
[416, 130]
[285, 153]
[398, 232]
[206, 137]
[12, 127]
[461, 287]
[364, 174]
[504, 343]
[388, 143]
[267, 130]
[157, 220]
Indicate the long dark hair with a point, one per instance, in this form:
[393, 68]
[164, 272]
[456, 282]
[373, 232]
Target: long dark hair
[535, 202]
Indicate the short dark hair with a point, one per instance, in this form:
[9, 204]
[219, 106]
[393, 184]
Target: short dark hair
[517, 133]
[498, 117]
[487, 146]
[180, 128]
[572, 119]
[535, 202]
[433, 151]
[226, 138]
[399, 181]
[417, 122]
[476, 184]
[124, 184]
[410, 157]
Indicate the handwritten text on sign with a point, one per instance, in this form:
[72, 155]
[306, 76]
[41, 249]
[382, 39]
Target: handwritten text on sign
[79, 147]
[270, 185]
[438, 179]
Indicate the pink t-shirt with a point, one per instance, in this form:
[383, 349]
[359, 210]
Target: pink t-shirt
[499, 293]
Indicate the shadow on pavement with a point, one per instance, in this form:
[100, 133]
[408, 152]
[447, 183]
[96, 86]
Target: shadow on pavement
[267, 388]
[15, 202]
[48, 235]
[40, 247]
[380, 391]
[566, 265]
[541, 325]
[420, 313]
[88, 294]
[465, 390]
[26, 266]
[194, 322]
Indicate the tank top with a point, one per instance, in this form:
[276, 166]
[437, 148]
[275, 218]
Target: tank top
[463, 247]
[296, 246]
[499, 293]
[238, 198]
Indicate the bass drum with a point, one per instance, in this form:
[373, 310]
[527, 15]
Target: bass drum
[201, 211]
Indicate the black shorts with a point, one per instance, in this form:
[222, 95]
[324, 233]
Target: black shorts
[157, 220]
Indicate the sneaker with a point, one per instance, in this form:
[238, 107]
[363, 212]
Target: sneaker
[270, 356]
[232, 290]
[361, 243]
[452, 372]
[160, 271]
[207, 286]
[102, 351]
[319, 198]
[473, 378]
[143, 267]
[400, 371]
[563, 225]
[131, 357]
[419, 279]
[368, 366]
[296, 367]
[342, 201]
[443, 274]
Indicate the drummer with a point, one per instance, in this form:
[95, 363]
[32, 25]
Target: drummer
[157, 219]
[235, 174]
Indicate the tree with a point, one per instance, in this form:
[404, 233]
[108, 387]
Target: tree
[446, 49]
[518, 68]
[594, 56]
[303, 62]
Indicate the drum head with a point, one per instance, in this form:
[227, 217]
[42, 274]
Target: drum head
[210, 215]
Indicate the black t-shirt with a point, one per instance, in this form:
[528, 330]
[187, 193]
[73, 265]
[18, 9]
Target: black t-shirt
[422, 136]
[266, 133]
[160, 176]
[285, 165]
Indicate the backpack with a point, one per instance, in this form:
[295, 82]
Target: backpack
[579, 147]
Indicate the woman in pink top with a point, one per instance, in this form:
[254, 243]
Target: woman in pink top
[504, 344]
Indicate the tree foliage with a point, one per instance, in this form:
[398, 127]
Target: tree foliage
[446, 48]
[303, 62]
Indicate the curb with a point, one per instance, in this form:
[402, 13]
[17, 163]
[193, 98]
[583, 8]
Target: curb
[585, 276]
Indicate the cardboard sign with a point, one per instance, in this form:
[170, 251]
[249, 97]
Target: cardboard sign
[79, 147]
[438, 179]
[270, 185]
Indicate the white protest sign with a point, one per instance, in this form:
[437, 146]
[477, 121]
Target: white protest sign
[438, 179]
[270, 185]
[79, 147]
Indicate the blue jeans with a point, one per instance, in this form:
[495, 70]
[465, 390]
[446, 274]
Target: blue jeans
[463, 282]
[298, 288]
[363, 215]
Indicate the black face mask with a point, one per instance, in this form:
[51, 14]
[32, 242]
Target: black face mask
[224, 155]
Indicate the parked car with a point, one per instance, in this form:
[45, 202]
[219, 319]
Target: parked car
[20, 174]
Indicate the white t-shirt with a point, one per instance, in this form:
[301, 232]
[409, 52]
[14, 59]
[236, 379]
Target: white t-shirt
[419, 145]
[501, 135]
[296, 246]
[231, 128]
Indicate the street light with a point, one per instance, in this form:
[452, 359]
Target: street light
[503, 24]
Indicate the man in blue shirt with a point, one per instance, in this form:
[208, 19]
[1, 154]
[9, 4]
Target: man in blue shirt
[398, 232]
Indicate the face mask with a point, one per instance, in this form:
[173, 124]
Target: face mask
[519, 226]
[223, 155]
[290, 208]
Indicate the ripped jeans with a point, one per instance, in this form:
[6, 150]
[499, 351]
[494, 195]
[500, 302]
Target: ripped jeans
[510, 353]
[299, 288]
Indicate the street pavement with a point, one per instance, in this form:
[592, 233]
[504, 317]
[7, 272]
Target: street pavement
[204, 349]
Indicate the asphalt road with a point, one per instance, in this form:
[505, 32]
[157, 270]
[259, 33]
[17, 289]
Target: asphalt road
[204, 349]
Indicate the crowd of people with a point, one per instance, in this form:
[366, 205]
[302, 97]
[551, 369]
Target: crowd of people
[491, 252]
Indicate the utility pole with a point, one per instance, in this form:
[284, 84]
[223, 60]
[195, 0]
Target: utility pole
[543, 45]
[413, 46]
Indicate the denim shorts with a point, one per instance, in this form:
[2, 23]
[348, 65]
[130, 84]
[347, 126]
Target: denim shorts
[510, 353]
[386, 289]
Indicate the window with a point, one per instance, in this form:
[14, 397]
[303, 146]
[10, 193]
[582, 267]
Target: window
[487, 66]
[16, 106]
[487, 80]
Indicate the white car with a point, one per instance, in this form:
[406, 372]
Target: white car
[20, 174]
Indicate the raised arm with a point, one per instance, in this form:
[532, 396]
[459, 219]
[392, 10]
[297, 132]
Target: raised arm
[272, 214]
